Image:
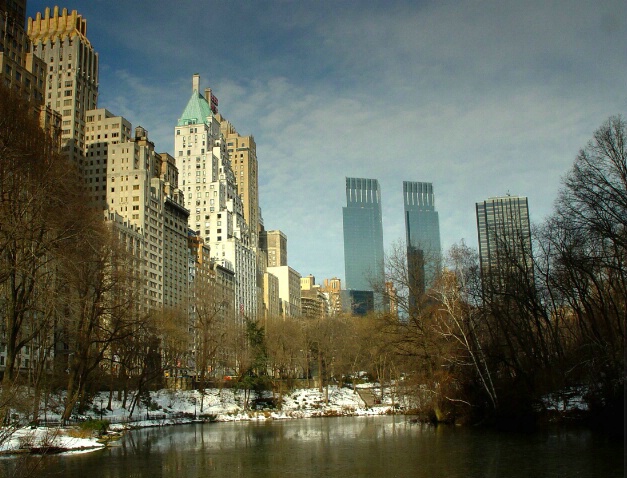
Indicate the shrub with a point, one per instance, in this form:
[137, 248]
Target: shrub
[95, 426]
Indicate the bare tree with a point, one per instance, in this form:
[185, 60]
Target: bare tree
[587, 250]
[285, 340]
[461, 320]
[38, 194]
[212, 310]
[98, 309]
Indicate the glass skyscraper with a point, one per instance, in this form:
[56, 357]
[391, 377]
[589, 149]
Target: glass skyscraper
[504, 241]
[422, 230]
[363, 236]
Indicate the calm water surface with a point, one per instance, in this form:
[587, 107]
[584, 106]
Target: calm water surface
[344, 447]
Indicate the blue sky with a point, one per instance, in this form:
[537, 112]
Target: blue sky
[481, 98]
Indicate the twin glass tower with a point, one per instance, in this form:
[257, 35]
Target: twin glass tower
[363, 236]
[422, 236]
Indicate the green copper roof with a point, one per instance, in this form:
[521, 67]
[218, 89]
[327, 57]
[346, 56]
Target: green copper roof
[196, 111]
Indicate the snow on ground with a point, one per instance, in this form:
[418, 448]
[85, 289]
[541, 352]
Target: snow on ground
[171, 407]
[42, 438]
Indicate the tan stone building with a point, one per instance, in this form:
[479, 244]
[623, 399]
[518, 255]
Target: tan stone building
[61, 41]
[289, 290]
[274, 244]
[313, 301]
[102, 129]
[242, 152]
[212, 304]
[20, 69]
[271, 298]
[137, 190]
[333, 288]
[175, 235]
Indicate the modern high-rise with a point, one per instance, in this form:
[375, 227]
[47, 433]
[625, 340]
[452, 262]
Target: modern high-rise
[422, 230]
[363, 237]
[504, 241]
[61, 41]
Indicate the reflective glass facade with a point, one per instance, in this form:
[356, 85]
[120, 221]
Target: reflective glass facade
[363, 235]
[504, 238]
[422, 230]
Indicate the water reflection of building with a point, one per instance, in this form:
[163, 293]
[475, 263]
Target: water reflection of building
[358, 302]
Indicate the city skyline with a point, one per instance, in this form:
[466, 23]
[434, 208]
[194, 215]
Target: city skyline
[446, 91]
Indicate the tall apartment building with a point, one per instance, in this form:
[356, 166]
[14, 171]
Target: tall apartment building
[211, 192]
[131, 241]
[363, 237]
[60, 40]
[175, 235]
[274, 244]
[242, 152]
[333, 290]
[504, 242]
[137, 190]
[212, 300]
[20, 69]
[271, 299]
[24, 73]
[16, 9]
[102, 129]
[422, 229]
[314, 302]
[289, 290]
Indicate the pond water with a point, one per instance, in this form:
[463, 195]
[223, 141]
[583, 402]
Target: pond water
[341, 448]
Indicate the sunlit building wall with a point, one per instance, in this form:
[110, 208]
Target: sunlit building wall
[60, 40]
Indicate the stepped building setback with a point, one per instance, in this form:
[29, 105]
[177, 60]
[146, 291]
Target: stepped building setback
[212, 196]
[60, 40]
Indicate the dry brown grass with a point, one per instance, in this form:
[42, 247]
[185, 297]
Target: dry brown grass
[79, 433]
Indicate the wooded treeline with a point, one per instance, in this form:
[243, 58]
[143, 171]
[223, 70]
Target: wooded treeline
[492, 346]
